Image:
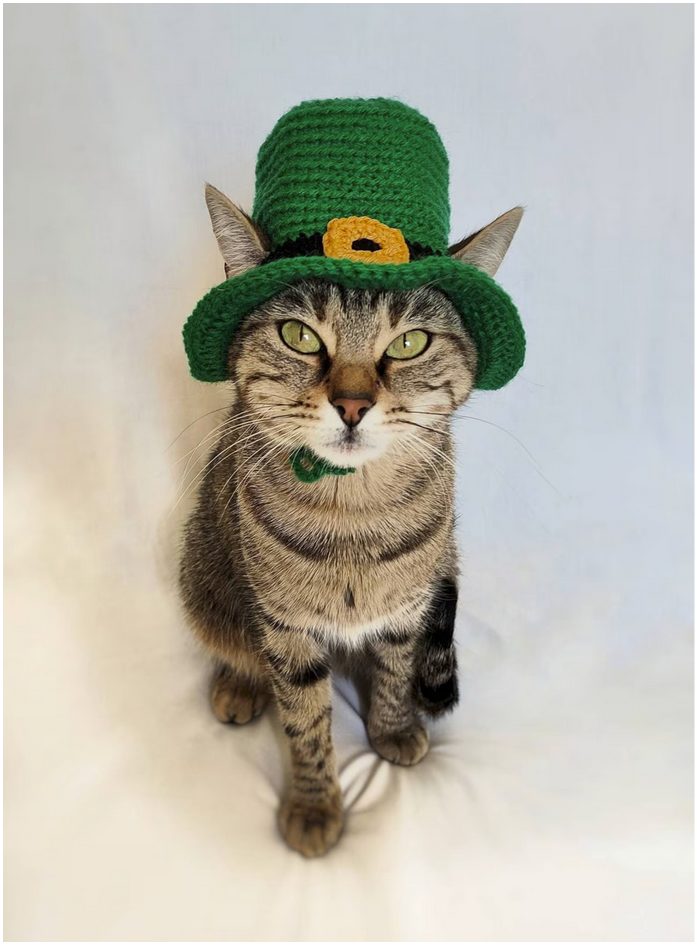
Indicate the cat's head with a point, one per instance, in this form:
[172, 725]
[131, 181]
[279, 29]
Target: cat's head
[352, 374]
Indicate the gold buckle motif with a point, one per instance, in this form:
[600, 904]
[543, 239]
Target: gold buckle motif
[343, 233]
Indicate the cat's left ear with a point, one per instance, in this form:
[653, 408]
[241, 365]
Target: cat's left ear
[241, 241]
[486, 248]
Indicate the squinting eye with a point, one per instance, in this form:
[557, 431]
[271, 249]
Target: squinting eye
[408, 345]
[300, 338]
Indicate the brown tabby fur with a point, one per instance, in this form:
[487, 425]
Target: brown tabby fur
[280, 576]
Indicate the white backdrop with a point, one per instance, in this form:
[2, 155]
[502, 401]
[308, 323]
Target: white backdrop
[555, 803]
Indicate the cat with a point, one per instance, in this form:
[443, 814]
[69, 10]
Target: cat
[280, 576]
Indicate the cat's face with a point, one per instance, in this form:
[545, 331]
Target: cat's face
[353, 374]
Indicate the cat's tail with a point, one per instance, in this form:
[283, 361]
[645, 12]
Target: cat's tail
[435, 683]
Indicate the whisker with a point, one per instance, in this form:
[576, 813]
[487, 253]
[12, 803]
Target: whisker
[274, 451]
[220, 429]
[491, 423]
[443, 457]
[211, 464]
[520, 443]
[412, 423]
[416, 446]
[282, 403]
[227, 426]
[197, 420]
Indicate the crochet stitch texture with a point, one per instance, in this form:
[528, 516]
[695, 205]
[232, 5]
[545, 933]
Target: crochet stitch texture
[352, 158]
[329, 160]
[486, 310]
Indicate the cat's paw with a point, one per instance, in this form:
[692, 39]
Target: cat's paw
[311, 828]
[407, 747]
[236, 701]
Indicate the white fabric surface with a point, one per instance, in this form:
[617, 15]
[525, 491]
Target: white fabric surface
[556, 801]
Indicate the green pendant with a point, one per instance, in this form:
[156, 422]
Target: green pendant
[309, 467]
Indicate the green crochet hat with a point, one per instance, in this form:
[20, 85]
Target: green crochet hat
[355, 192]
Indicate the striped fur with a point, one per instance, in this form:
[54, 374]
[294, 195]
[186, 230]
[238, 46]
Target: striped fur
[278, 575]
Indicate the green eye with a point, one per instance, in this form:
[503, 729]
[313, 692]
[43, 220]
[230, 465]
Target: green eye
[408, 345]
[300, 338]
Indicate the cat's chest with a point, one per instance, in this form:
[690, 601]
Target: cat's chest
[344, 572]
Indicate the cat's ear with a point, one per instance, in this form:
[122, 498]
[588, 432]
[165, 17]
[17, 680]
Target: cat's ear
[241, 242]
[486, 248]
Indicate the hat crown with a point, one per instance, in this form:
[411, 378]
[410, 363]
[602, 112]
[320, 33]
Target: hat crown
[332, 158]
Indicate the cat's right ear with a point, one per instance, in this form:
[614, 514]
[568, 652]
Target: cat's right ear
[241, 242]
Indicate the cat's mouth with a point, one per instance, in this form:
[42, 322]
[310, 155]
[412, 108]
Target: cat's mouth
[349, 439]
[349, 447]
[350, 442]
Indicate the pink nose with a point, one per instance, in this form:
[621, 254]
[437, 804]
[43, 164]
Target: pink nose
[352, 409]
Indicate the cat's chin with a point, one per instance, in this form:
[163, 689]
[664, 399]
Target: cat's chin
[348, 454]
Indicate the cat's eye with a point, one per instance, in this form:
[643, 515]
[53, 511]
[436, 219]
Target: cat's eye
[408, 345]
[300, 338]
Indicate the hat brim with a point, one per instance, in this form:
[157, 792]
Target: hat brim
[487, 312]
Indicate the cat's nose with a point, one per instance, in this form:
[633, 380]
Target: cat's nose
[352, 408]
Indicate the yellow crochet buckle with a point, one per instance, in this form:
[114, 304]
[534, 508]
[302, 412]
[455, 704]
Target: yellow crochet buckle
[344, 233]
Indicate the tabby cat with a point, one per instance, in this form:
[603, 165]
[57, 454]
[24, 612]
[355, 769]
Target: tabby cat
[281, 576]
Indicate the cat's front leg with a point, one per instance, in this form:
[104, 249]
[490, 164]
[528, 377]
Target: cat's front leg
[311, 815]
[394, 728]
